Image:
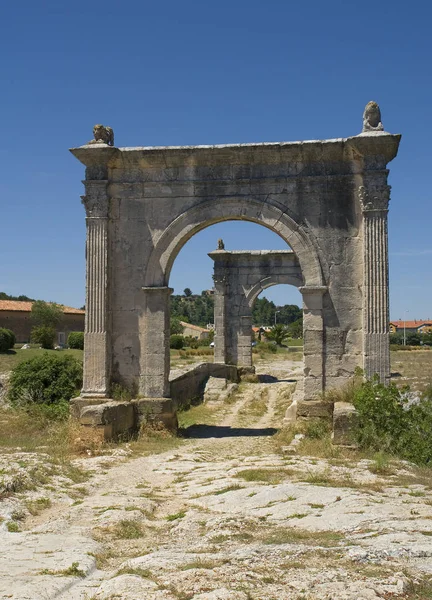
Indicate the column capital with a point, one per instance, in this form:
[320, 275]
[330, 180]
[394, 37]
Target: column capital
[374, 197]
[313, 289]
[96, 199]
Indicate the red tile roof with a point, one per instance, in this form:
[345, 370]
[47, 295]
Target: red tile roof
[17, 305]
[410, 324]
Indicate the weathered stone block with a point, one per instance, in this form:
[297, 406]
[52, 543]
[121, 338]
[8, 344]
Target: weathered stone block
[314, 408]
[345, 418]
[77, 404]
[158, 411]
[116, 418]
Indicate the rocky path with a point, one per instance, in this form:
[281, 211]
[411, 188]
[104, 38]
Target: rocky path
[225, 516]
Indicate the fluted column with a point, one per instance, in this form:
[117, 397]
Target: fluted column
[374, 198]
[96, 379]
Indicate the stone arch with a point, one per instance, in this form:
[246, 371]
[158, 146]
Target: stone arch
[270, 281]
[206, 213]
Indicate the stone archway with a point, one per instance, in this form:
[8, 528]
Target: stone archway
[327, 199]
[239, 277]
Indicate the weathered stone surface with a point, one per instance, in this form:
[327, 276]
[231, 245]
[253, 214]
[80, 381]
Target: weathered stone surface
[344, 420]
[314, 408]
[218, 390]
[158, 411]
[116, 418]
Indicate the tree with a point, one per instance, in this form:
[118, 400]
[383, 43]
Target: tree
[278, 333]
[46, 314]
[396, 338]
[176, 328]
[44, 336]
[187, 292]
[21, 298]
[296, 329]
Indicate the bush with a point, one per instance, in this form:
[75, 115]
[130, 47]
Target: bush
[177, 342]
[396, 338]
[7, 339]
[266, 347]
[388, 423]
[76, 340]
[44, 336]
[48, 380]
[413, 339]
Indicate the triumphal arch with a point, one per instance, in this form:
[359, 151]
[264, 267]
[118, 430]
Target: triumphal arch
[328, 199]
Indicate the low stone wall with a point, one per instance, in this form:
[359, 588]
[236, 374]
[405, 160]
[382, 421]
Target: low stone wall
[122, 418]
[191, 385]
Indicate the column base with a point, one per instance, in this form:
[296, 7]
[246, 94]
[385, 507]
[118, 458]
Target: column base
[157, 411]
[114, 420]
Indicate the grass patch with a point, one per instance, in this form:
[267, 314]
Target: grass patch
[72, 571]
[12, 527]
[9, 360]
[381, 464]
[228, 488]
[294, 536]
[35, 507]
[144, 573]
[174, 517]
[128, 529]
[203, 414]
[265, 475]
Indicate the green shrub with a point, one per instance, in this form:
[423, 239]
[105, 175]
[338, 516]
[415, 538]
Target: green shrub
[7, 339]
[177, 342]
[44, 336]
[48, 380]
[317, 429]
[191, 342]
[266, 347]
[76, 340]
[413, 339]
[396, 339]
[387, 423]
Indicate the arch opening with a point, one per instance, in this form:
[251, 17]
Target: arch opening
[206, 214]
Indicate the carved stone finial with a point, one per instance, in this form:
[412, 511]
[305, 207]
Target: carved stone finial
[372, 117]
[102, 135]
[221, 245]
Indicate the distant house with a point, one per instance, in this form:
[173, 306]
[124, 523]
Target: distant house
[16, 315]
[195, 331]
[411, 326]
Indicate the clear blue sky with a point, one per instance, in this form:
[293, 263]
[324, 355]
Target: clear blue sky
[196, 72]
